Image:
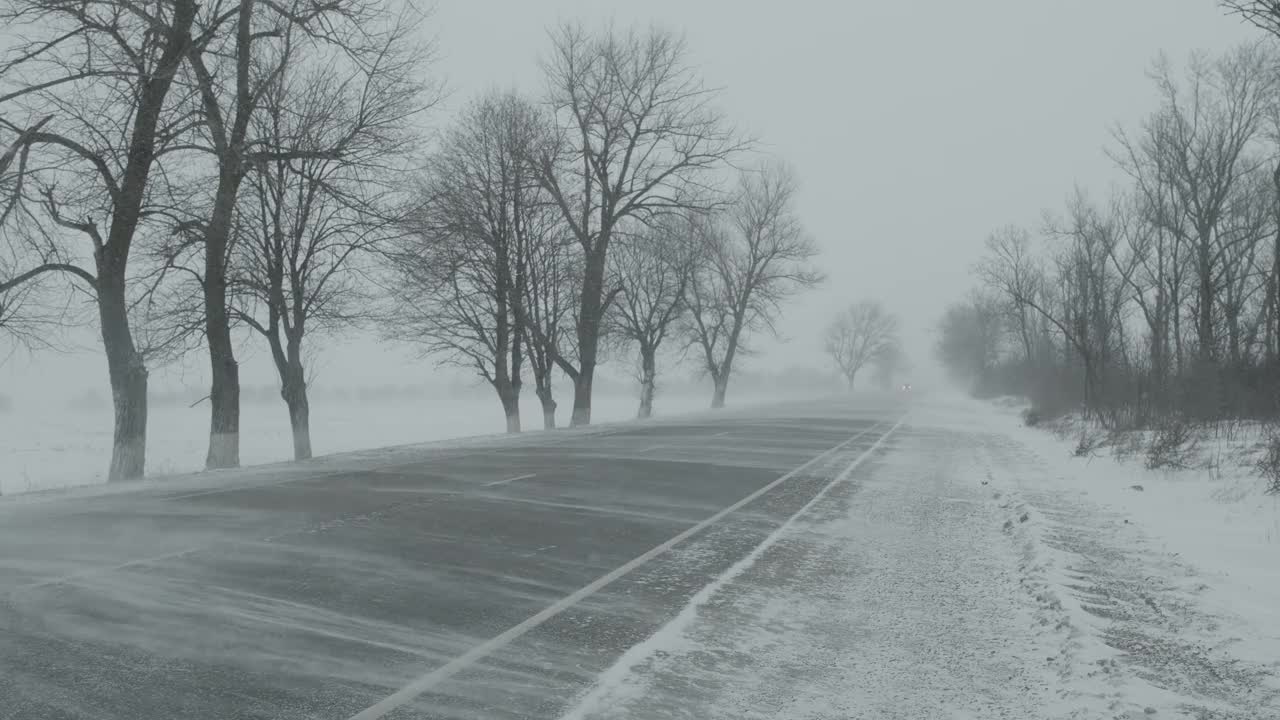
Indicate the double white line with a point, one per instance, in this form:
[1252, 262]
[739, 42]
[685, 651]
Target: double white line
[429, 681]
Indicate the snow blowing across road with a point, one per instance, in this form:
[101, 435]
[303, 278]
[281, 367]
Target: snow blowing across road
[959, 571]
[800, 562]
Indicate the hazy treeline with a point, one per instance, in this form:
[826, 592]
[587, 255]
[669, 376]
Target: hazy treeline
[1160, 299]
[199, 174]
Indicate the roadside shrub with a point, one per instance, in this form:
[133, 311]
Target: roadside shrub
[1174, 445]
[1125, 443]
[1032, 417]
[1269, 464]
[1089, 443]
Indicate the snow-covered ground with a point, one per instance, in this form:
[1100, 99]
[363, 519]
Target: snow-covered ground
[976, 569]
[1170, 579]
[51, 446]
[968, 568]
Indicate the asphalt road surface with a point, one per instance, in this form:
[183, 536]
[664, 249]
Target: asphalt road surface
[495, 580]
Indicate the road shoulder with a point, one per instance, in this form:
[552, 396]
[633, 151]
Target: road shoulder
[895, 596]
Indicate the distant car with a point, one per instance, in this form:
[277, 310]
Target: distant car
[906, 387]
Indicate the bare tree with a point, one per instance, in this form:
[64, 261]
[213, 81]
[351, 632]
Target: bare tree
[1159, 255]
[1212, 119]
[1092, 292]
[1192, 250]
[758, 257]
[969, 339]
[17, 150]
[1010, 269]
[1084, 299]
[103, 71]
[888, 364]
[859, 335]
[653, 267]
[240, 51]
[21, 316]
[461, 279]
[638, 138]
[549, 296]
[1263, 14]
[306, 224]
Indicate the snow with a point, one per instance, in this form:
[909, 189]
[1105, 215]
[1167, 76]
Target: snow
[968, 568]
[617, 676]
[1218, 520]
[1199, 548]
[885, 599]
[49, 447]
[977, 569]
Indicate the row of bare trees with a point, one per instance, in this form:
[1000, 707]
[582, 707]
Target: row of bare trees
[596, 220]
[189, 168]
[1162, 299]
[203, 172]
[493, 276]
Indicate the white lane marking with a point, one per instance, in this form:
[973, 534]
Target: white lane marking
[430, 680]
[510, 480]
[722, 434]
[637, 652]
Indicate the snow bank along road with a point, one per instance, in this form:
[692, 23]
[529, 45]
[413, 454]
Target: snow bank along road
[872, 558]
[488, 581]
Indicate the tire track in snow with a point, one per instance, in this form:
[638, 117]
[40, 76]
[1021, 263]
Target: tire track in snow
[1137, 642]
[890, 598]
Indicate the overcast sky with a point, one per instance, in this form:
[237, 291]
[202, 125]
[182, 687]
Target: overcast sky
[914, 127]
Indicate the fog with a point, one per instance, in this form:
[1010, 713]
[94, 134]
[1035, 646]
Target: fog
[913, 129]
[802, 387]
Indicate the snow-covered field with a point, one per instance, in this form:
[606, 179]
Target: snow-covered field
[976, 569]
[52, 446]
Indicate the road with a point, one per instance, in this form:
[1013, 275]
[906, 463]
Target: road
[496, 580]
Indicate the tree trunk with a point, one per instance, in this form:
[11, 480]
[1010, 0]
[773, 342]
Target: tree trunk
[548, 406]
[224, 391]
[717, 396]
[224, 395]
[648, 379]
[129, 440]
[1273, 281]
[293, 390]
[300, 422]
[1176, 310]
[582, 397]
[1204, 316]
[128, 376]
[510, 406]
[589, 316]
[125, 367]
[1025, 333]
[224, 398]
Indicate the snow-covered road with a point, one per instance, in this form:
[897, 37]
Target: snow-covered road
[892, 557]
[958, 575]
